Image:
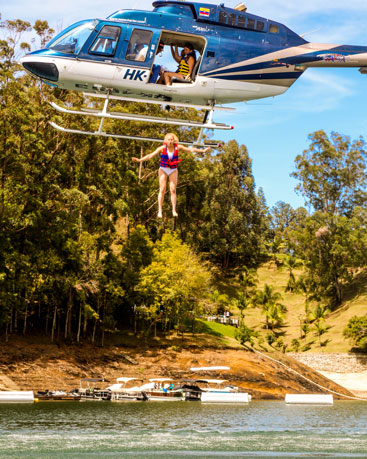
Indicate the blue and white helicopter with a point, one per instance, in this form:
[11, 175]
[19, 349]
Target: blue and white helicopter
[240, 57]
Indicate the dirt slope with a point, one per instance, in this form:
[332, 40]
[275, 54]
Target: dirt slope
[48, 366]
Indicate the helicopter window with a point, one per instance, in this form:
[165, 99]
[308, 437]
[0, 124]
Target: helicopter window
[137, 49]
[73, 40]
[260, 26]
[241, 21]
[232, 19]
[273, 28]
[223, 17]
[106, 41]
[251, 23]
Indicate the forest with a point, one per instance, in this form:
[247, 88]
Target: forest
[82, 254]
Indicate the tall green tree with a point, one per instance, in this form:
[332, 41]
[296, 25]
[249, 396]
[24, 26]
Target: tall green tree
[332, 246]
[173, 286]
[231, 227]
[332, 173]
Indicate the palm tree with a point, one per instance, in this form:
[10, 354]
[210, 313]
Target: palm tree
[268, 300]
[291, 262]
[320, 313]
[242, 302]
[275, 315]
[248, 279]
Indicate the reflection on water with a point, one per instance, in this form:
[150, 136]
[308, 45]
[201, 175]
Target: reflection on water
[177, 429]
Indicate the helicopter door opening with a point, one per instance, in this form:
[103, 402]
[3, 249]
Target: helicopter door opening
[165, 61]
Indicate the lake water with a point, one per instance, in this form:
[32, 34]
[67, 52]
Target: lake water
[182, 429]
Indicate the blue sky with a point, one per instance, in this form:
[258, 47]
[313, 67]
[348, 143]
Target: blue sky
[275, 130]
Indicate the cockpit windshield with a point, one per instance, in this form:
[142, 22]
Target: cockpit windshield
[71, 40]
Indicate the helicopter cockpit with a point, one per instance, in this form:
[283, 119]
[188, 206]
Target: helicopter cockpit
[73, 38]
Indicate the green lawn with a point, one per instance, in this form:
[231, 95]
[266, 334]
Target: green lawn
[215, 328]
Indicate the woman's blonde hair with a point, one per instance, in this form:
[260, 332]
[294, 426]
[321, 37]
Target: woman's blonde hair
[175, 138]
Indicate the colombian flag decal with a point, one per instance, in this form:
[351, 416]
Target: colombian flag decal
[204, 12]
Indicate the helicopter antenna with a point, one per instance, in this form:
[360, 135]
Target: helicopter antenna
[308, 33]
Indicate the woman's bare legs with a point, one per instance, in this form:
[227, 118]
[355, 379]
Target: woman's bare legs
[167, 76]
[162, 190]
[172, 186]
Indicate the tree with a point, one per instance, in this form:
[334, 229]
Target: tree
[282, 217]
[174, 284]
[331, 247]
[332, 173]
[291, 263]
[319, 315]
[244, 335]
[268, 300]
[332, 241]
[221, 301]
[242, 302]
[232, 221]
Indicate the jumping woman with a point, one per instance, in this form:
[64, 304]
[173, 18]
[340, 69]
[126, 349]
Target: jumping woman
[169, 168]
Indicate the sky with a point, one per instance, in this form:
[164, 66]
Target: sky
[275, 130]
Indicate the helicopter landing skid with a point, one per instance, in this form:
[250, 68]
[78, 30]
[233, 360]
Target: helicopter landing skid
[131, 137]
[103, 114]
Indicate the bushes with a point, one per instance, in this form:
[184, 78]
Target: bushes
[356, 331]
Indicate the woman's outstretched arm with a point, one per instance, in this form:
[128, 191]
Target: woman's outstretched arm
[149, 156]
[193, 149]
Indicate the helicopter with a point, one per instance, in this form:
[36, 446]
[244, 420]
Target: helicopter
[240, 57]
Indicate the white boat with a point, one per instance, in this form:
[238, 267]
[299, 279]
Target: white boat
[162, 389]
[220, 391]
[127, 389]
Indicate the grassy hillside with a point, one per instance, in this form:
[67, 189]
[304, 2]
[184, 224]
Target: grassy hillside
[355, 304]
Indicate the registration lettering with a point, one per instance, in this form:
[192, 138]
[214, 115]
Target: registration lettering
[135, 75]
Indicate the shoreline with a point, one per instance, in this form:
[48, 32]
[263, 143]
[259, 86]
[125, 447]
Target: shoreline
[39, 367]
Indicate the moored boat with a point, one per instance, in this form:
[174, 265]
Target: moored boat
[57, 395]
[88, 389]
[163, 389]
[127, 389]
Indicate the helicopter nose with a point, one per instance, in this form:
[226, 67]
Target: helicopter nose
[43, 70]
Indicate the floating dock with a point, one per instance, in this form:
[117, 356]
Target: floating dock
[16, 396]
[310, 399]
[225, 397]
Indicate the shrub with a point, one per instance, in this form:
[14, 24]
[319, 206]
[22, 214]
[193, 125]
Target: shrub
[356, 331]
